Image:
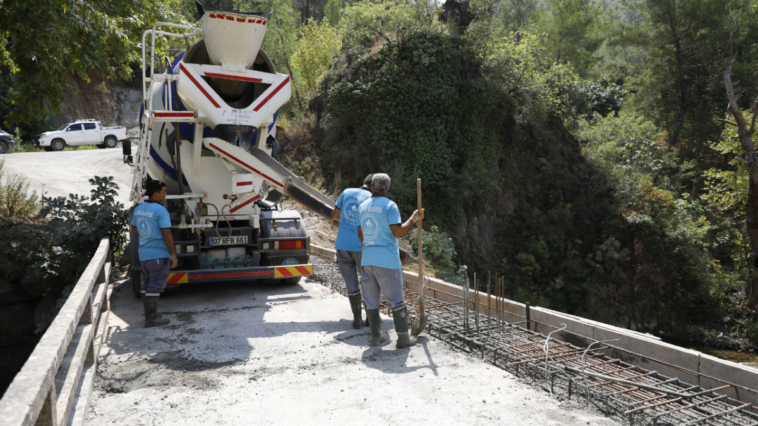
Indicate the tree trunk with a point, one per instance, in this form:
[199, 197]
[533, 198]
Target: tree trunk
[746, 139]
[680, 70]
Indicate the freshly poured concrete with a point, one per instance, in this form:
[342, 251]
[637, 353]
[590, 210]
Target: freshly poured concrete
[248, 354]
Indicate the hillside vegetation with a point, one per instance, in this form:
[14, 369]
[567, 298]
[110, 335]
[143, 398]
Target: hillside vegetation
[579, 150]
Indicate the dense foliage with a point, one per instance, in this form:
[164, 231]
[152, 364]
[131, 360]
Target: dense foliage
[642, 224]
[576, 148]
[46, 255]
[99, 37]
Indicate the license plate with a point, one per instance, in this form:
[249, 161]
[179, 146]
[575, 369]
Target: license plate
[228, 241]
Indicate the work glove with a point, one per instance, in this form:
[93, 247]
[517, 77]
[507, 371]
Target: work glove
[417, 215]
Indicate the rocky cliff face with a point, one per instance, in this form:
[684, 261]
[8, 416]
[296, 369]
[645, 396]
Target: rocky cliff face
[113, 102]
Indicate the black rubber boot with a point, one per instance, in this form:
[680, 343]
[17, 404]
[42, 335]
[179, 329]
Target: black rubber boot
[366, 309]
[404, 339]
[378, 338]
[355, 305]
[150, 304]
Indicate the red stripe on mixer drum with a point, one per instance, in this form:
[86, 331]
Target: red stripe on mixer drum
[232, 77]
[271, 95]
[207, 95]
[272, 180]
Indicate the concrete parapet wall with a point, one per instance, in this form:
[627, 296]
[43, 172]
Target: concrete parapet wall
[642, 349]
[51, 387]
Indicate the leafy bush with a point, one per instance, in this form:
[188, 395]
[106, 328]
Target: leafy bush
[15, 200]
[440, 251]
[747, 328]
[79, 225]
[47, 257]
[603, 96]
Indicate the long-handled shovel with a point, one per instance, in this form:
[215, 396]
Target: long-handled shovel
[419, 324]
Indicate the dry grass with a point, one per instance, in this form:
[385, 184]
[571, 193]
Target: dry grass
[15, 199]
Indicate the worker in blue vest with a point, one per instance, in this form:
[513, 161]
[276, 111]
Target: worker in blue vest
[157, 253]
[379, 228]
[348, 245]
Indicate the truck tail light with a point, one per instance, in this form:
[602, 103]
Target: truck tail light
[289, 245]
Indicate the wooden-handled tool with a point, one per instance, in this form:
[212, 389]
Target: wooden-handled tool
[419, 324]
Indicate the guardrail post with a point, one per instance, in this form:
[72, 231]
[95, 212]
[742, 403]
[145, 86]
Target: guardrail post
[86, 317]
[48, 415]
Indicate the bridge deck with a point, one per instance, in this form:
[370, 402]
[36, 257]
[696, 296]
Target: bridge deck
[247, 354]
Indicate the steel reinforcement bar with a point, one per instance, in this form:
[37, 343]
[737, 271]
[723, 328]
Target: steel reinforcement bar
[54, 385]
[620, 389]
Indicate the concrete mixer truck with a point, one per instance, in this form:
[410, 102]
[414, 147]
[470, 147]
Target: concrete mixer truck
[208, 130]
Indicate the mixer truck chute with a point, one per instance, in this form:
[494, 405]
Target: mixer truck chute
[208, 130]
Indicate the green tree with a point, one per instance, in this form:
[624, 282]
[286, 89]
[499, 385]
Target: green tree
[281, 36]
[316, 47]
[47, 41]
[523, 63]
[514, 15]
[333, 12]
[680, 87]
[574, 30]
[726, 191]
[9, 92]
[390, 21]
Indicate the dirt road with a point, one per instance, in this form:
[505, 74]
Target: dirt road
[58, 174]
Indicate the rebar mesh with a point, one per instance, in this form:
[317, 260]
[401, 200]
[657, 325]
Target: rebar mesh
[625, 391]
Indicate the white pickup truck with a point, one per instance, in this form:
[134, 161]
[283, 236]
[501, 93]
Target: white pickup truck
[81, 132]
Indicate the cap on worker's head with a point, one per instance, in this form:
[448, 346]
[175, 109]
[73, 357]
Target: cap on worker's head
[381, 182]
[153, 186]
[367, 181]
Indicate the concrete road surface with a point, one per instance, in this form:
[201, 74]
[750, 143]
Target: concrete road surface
[58, 174]
[243, 354]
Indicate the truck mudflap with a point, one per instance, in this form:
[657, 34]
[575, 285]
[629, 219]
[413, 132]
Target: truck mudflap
[238, 274]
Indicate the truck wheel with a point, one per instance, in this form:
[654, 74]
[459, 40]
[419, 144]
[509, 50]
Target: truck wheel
[136, 283]
[58, 145]
[111, 142]
[3, 147]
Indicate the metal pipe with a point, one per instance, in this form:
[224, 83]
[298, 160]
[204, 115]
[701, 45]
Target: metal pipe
[476, 302]
[497, 299]
[489, 302]
[466, 308]
[184, 196]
